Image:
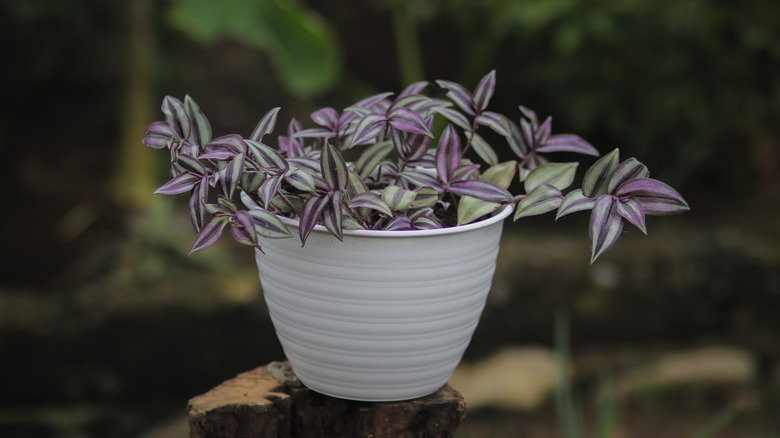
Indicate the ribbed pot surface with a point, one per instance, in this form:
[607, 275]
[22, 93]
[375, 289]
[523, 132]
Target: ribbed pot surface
[382, 315]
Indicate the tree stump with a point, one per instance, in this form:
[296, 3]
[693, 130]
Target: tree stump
[270, 402]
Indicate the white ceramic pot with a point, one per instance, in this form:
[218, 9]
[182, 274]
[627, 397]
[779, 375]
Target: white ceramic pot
[383, 315]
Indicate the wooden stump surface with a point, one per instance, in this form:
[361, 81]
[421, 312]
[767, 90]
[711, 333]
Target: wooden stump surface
[270, 402]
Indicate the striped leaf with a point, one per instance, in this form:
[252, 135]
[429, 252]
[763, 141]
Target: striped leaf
[312, 210]
[425, 223]
[629, 169]
[210, 233]
[327, 117]
[596, 179]
[158, 135]
[485, 190]
[333, 167]
[542, 199]
[397, 198]
[567, 143]
[425, 197]
[455, 117]
[243, 228]
[270, 188]
[371, 157]
[267, 156]
[190, 164]
[495, 121]
[460, 95]
[176, 116]
[332, 215]
[231, 174]
[371, 201]
[265, 125]
[200, 129]
[231, 142]
[542, 133]
[301, 180]
[197, 203]
[655, 197]
[484, 91]
[399, 223]
[368, 128]
[182, 183]
[447, 153]
[605, 226]
[420, 179]
[501, 174]
[573, 202]
[407, 120]
[268, 224]
[631, 210]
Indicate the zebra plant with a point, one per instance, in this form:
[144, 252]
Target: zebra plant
[423, 162]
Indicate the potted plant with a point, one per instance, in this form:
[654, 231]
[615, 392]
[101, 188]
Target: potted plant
[375, 270]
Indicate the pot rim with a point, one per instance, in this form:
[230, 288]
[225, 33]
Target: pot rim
[499, 215]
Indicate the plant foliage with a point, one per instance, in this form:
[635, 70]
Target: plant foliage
[407, 177]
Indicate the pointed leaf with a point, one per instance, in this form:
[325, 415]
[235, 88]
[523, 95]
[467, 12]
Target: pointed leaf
[447, 153]
[200, 129]
[425, 223]
[465, 171]
[495, 121]
[158, 135]
[559, 175]
[629, 169]
[455, 117]
[484, 150]
[655, 197]
[567, 143]
[327, 117]
[543, 132]
[301, 180]
[269, 189]
[265, 125]
[414, 88]
[605, 226]
[312, 210]
[542, 199]
[231, 142]
[332, 215]
[573, 202]
[210, 233]
[596, 179]
[268, 224]
[191, 164]
[314, 133]
[485, 190]
[530, 115]
[372, 201]
[243, 228]
[198, 200]
[407, 120]
[231, 174]
[176, 116]
[399, 223]
[371, 157]
[425, 197]
[471, 209]
[458, 94]
[369, 128]
[267, 156]
[501, 174]
[420, 179]
[397, 198]
[484, 91]
[182, 183]
[355, 184]
[333, 167]
[631, 210]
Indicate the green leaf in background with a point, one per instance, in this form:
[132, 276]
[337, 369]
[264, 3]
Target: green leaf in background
[302, 48]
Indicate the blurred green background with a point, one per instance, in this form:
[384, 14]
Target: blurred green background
[107, 327]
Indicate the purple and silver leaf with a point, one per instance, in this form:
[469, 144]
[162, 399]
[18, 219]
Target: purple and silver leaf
[371, 101]
[312, 210]
[530, 115]
[266, 156]
[631, 210]
[465, 171]
[606, 225]
[268, 225]
[243, 228]
[407, 120]
[176, 116]
[484, 150]
[527, 135]
[420, 178]
[399, 223]
[231, 142]
[573, 202]
[218, 155]
[558, 175]
[269, 188]
[484, 91]
[332, 215]
[460, 95]
[629, 169]
[448, 153]
[371, 201]
[333, 168]
[501, 174]
[596, 179]
[368, 128]
[567, 143]
[190, 164]
[301, 179]
[200, 129]
[426, 197]
[397, 198]
[197, 203]
[655, 197]
[542, 199]
[371, 157]
[265, 125]
[495, 121]
[455, 117]
[314, 133]
[426, 223]
[485, 190]
[543, 132]
[158, 135]
[515, 140]
[414, 88]
[327, 117]
[182, 183]
[210, 233]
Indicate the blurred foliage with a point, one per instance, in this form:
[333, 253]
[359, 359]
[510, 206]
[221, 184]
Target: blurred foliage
[300, 45]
